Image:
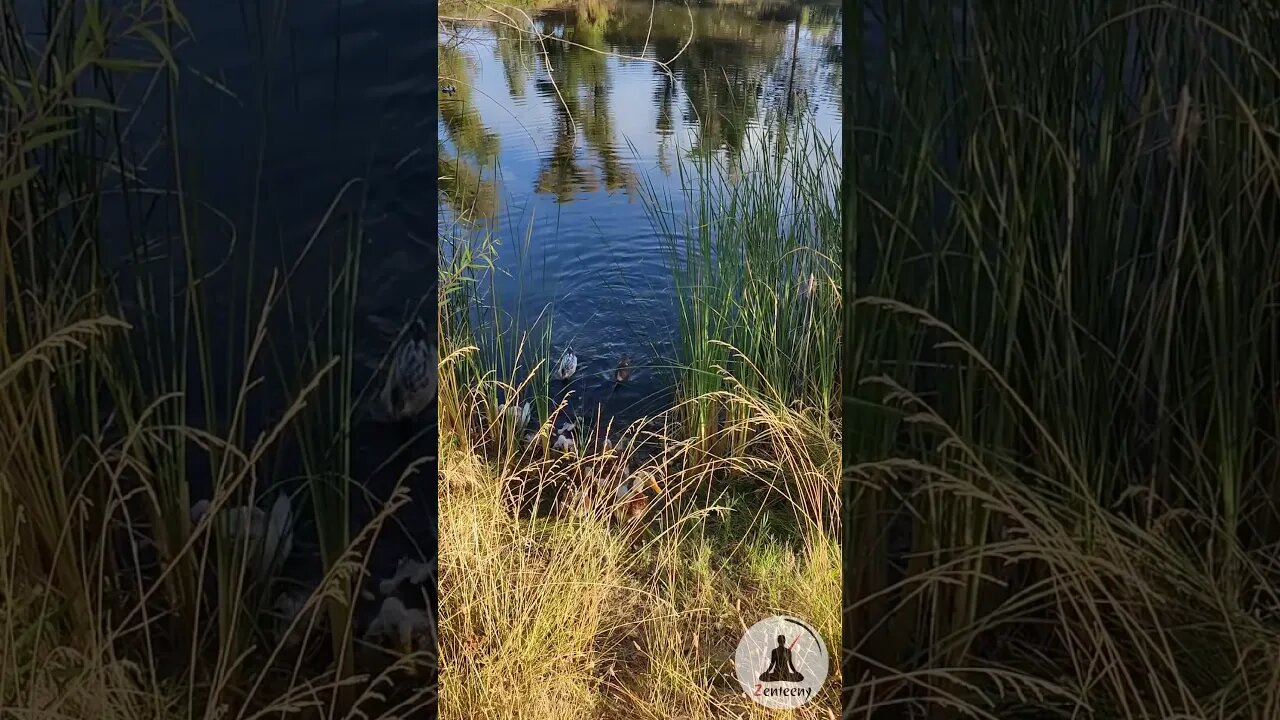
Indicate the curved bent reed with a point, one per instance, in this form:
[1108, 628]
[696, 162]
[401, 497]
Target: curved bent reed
[1065, 341]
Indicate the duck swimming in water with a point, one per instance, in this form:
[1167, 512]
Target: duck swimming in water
[566, 436]
[564, 443]
[623, 373]
[567, 366]
[411, 379]
[270, 535]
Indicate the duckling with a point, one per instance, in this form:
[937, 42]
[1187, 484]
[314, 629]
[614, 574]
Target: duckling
[636, 506]
[622, 492]
[623, 373]
[522, 415]
[270, 536]
[809, 286]
[407, 569]
[630, 497]
[407, 626]
[411, 378]
[567, 366]
[563, 443]
[287, 606]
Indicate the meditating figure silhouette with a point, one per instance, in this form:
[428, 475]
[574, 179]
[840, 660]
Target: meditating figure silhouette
[780, 667]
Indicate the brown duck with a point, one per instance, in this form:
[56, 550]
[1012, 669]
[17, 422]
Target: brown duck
[623, 373]
[636, 494]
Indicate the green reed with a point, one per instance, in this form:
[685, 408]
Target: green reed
[497, 364]
[62, 132]
[752, 244]
[1062, 219]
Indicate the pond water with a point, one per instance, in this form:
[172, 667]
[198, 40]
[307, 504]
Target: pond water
[557, 129]
[297, 120]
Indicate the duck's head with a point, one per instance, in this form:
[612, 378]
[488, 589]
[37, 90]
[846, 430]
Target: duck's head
[199, 510]
[624, 369]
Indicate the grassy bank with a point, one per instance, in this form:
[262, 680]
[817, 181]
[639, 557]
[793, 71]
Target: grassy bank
[147, 364]
[1063, 353]
[739, 522]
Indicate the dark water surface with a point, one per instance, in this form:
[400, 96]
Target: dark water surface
[302, 121]
[290, 129]
[551, 147]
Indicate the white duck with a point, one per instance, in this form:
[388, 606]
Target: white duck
[396, 621]
[567, 366]
[406, 569]
[270, 536]
[288, 606]
[411, 378]
[521, 415]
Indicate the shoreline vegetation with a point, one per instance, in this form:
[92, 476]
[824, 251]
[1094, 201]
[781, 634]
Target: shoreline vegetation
[665, 539]
[1062, 230]
[594, 570]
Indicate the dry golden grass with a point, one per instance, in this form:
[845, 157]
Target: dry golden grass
[590, 612]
